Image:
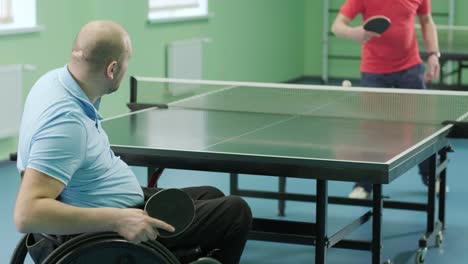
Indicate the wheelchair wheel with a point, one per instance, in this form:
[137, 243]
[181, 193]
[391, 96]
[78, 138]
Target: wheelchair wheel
[99, 248]
[20, 251]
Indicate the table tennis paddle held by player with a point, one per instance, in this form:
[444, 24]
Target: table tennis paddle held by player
[174, 207]
[377, 24]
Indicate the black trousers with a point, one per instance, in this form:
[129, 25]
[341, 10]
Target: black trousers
[221, 222]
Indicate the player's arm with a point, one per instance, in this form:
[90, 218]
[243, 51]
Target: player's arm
[341, 28]
[430, 38]
[38, 211]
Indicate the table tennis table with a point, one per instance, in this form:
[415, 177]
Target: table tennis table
[322, 133]
[453, 44]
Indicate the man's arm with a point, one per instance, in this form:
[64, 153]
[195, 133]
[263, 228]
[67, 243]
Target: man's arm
[38, 211]
[429, 34]
[342, 29]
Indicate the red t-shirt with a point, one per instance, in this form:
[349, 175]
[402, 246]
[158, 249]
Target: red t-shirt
[397, 48]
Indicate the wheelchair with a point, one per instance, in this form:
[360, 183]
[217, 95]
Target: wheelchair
[109, 247]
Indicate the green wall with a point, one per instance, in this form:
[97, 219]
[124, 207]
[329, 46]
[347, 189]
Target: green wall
[260, 40]
[313, 38]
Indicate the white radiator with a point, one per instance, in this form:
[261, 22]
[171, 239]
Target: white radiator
[185, 61]
[11, 100]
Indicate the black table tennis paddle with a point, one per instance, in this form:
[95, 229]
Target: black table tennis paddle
[377, 24]
[174, 207]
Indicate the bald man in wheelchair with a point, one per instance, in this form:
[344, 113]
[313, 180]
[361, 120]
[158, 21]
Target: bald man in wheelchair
[72, 183]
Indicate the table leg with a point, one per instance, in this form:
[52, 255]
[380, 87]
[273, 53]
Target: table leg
[443, 184]
[377, 205]
[234, 183]
[282, 200]
[321, 222]
[431, 194]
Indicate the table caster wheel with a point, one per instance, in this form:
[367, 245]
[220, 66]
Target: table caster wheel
[420, 256]
[439, 239]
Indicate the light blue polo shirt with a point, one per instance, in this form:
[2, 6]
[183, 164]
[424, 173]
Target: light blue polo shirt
[61, 136]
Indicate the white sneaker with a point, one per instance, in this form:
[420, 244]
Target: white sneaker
[437, 187]
[359, 193]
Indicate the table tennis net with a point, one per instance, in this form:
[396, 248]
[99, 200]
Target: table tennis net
[399, 105]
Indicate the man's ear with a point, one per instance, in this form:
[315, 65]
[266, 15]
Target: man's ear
[110, 70]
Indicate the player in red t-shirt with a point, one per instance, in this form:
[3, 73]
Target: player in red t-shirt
[391, 59]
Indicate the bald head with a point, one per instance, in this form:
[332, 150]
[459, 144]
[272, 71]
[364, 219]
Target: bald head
[99, 58]
[98, 43]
